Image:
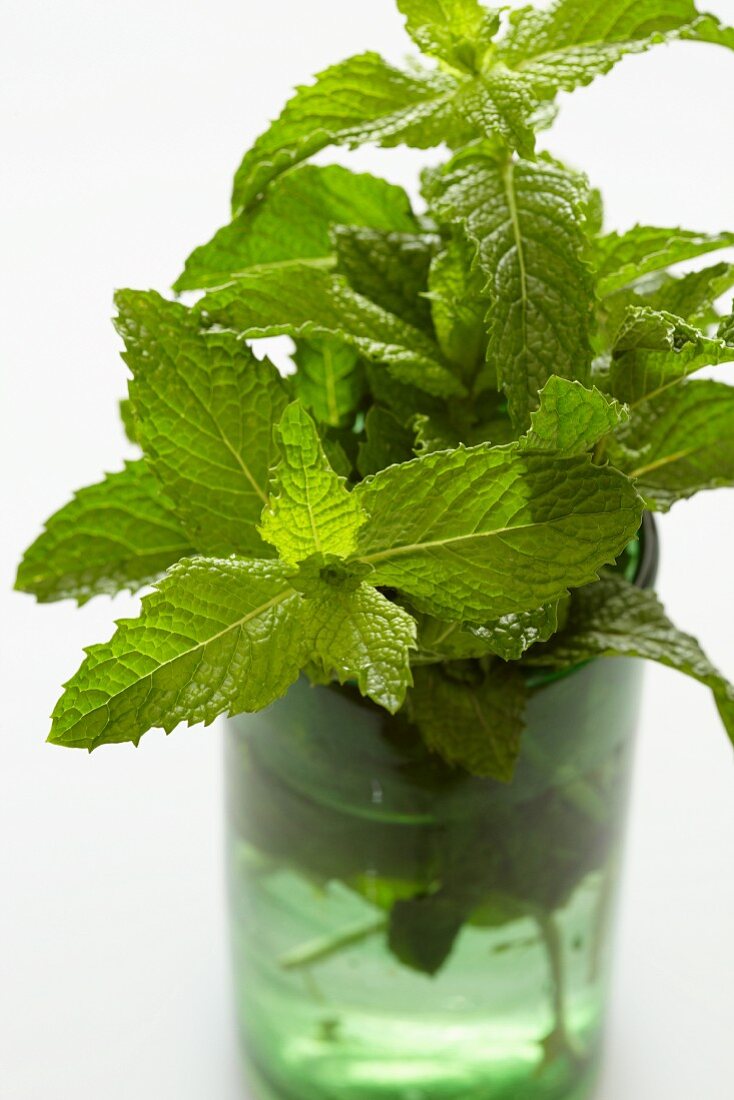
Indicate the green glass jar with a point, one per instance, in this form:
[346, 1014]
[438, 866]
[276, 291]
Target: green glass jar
[405, 931]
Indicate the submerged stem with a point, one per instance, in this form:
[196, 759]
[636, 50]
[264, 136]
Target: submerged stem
[323, 948]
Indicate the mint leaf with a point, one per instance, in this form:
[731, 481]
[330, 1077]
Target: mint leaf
[512, 635]
[648, 329]
[216, 636]
[387, 442]
[459, 306]
[508, 637]
[205, 409]
[456, 31]
[360, 100]
[622, 258]
[569, 43]
[330, 380]
[310, 510]
[683, 443]
[693, 296]
[293, 221]
[303, 302]
[127, 416]
[571, 418]
[616, 619]
[391, 269]
[525, 220]
[361, 636]
[475, 722]
[475, 518]
[118, 534]
[655, 351]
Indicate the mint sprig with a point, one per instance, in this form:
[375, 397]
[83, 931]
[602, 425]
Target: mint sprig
[484, 398]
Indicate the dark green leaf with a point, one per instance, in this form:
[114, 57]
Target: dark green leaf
[478, 725]
[391, 269]
[616, 619]
[525, 220]
[305, 302]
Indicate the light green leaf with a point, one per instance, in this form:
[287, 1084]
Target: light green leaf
[572, 418]
[358, 635]
[391, 269]
[568, 44]
[639, 373]
[217, 636]
[457, 31]
[330, 380]
[622, 258]
[127, 416]
[310, 510]
[526, 222]
[683, 443]
[360, 100]
[118, 534]
[205, 409]
[475, 723]
[293, 220]
[459, 306]
[615, 619]
[387, 442]
[303, 302]
[477, 517]
[499, 105]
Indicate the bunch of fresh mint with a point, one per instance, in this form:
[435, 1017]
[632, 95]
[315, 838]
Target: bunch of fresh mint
[486, 396]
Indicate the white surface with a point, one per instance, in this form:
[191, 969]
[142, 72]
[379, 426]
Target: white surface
[122, 126]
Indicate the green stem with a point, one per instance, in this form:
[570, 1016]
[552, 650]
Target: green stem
[323, 948]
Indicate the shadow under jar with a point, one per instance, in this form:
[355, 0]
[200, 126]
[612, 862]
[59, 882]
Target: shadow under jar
[351, 848]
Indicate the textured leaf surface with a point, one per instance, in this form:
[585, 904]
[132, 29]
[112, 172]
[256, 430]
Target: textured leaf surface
[205, 409]
[217, 636]
[684, 443]
[454, 30]
[118, 534]
[459, 306]
[391, 269]
[512, 635]
[640, 373]
[621, 258]
[569, 43]
[525, 220]
[310, 510]
[303, 302]
[615, 619]
[293, 220]
[361, 636]
[508, 637]
[330, 381]
[360, 100]
[475, 725]
[476, 519]
[692, 296]
[572, 418]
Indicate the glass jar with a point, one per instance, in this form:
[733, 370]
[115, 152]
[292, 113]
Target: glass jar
[405, 931]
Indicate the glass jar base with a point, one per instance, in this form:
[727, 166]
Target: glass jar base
[348, 1078]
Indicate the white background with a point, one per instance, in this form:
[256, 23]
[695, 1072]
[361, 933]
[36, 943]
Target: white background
[122, 125]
